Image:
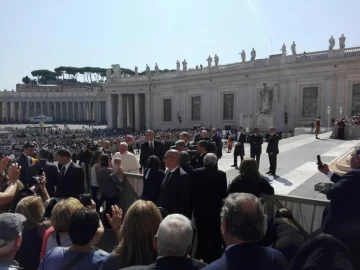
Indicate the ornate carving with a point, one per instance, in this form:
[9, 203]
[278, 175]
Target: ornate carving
[216, 60]
[228, 106]
[253, 54]
[342, 41]
[331, 43]
[293, 48]
[243, 56]
[196, 108]
[209, 60]
[117, 70]
[184, 63]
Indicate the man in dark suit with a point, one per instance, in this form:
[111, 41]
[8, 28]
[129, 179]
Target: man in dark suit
[175, 190]
[242, 227]
[198, 160]
[71, 177]
[256, 141]
[51, 172]
[149, 148]
[217, 140]
[198, 137]
[341, 217]
[166, 144]
[239, 150]
[184, 136]
[173, 243]
[24, 160]
[209, 189]
[272, 149]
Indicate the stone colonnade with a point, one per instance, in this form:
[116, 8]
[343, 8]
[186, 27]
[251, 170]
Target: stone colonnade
[128, 111]
[73, 111]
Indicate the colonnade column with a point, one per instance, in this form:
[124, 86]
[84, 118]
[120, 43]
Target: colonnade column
[147, 110]
[137, 112]
[120, 118]
[41, 108]
[20, 111]
[48, 108]
[27, 110]
[61, 111]
[73, 111]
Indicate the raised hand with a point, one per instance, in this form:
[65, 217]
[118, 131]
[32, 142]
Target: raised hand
[115, 219]
[14, 172]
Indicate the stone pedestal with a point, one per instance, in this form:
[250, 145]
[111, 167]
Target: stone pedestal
[331, 54]
[265, 120]
[342, 52]
[283, 59]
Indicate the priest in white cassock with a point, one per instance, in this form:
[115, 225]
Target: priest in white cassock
[129, 162]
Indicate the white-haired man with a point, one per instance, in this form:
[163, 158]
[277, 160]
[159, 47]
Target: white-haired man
[129, 162]
[11, 226]
[173, 243]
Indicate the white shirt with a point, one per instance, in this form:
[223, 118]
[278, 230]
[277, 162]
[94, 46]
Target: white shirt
[173, 170]
[67, 167]
[151, 143]
[330, 174]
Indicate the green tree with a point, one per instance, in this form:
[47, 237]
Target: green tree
[26, 80]
[60, 70]
[41, 73]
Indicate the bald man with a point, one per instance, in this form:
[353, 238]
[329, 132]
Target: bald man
[175, 191]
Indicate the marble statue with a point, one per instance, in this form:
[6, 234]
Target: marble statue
[293, 48]
[157, 72]
[117, 70]
[331, 43]
[243, 56]
[184, 63]
[108, 74]
[283, 49]
[342, 41]
[147, 70]
[216, 60]
[265, 98]
[253, 54]
[209, 60]
[136, 71]
[178, 65]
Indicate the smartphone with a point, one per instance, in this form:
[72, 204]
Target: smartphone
[319, 162]
[41, 171]
[85, 199]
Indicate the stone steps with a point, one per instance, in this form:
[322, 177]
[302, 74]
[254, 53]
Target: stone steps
[341, 165]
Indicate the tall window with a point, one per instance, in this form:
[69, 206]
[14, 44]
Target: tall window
[228, 107]
[196, 108]
[310, 98]
[167, 110]
[355, 105]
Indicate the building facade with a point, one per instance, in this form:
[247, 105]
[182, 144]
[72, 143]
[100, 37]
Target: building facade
[301, 88]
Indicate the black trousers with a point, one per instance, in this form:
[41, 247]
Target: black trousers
[235, 159]
[109, 201]
[257, 157]
[272, 161]
[341, 133]
[209, 244]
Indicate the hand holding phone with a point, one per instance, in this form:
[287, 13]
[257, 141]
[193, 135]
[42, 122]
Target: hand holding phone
[319, 162]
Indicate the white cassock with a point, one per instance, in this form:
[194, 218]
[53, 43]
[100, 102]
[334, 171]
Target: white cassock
[129, 162]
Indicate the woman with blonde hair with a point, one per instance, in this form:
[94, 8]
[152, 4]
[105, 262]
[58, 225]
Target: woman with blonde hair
[250, 180]
[32, 207]
[136, 237]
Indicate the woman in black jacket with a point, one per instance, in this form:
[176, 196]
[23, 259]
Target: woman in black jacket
[153, 177]
[249, 180]
[282, 234]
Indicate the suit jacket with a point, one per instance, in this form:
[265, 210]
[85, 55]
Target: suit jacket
[173, 263]
[273, 144]
[198, 161]
[175, 194]
[25, 163]
[239, 149]
[152, 184]
[209, 189]
[166, 146]
[146, 152]
[217, 140]
[51, 172]
[72, 183]
[256, 142]
[249, 256]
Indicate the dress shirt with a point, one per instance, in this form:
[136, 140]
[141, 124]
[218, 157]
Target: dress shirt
[173, 170]
[330, 174]
[66, 166]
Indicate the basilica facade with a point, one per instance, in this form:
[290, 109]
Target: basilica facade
[300, 87]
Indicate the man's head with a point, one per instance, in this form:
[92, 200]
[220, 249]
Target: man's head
[63, 156]
[83, 219]
[184, 136]
[203, 134]
[256, 131]
[163, 137]
[272, 130]
[123, 148]
[239, 129]
[28, 149]
[11, 226]
[172, 159]
[242, 219]
[213, 131]
[184, 158]
[201, 147]
[44, 154]
[149, 134]
[106, 145]
[174, 236]
[180, 145]
[129, 139]
[355, 159]
[210, 159]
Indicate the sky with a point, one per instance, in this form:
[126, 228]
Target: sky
[45, 34]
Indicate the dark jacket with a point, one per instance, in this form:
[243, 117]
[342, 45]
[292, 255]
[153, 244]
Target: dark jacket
[273, 144]
[72, 183]
[240, 184]
[217, 140]
[175, 195]
[198, 161]
[146, 152]
[25, 163]
[256, 142]
[152, 184]
[239, 149]
[51, 172]
[171, 263]
[209, 189]
[249, 256]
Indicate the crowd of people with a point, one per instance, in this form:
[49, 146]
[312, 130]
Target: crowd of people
[184, 215]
